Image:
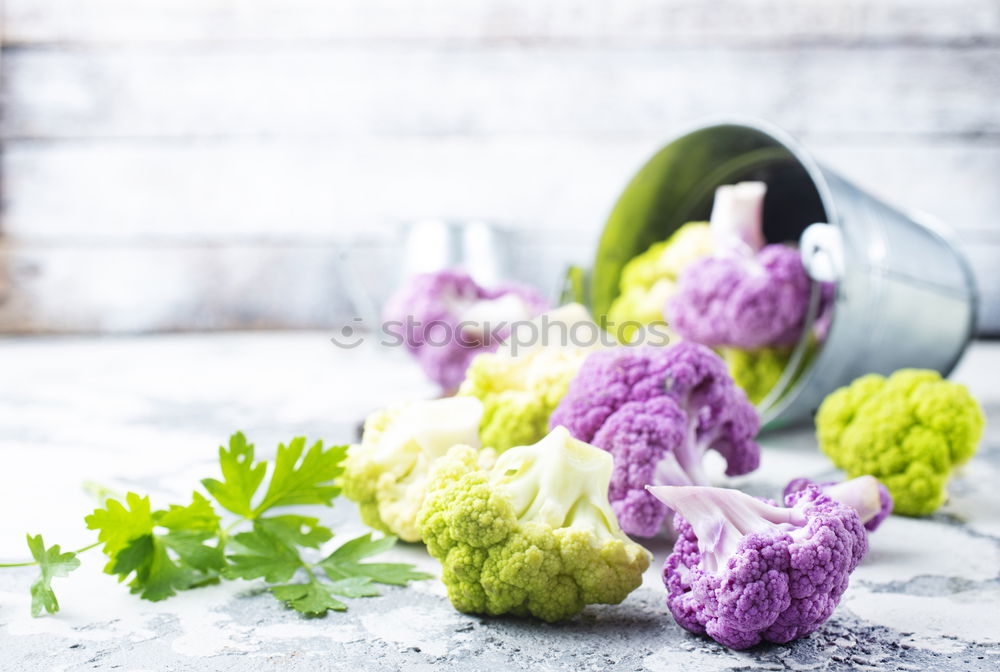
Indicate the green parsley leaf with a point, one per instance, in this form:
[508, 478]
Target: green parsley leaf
[135, 555]
[164, 551]
[267, 557]
[275, 559]
[52, 562]
[356, 586]
[296, 530]
[313, 598]
[241, 477]
[159, 564]
[345, 563]
[117, 525]
[192, 551]
[157, 576]
[198, 516]
[308, 480]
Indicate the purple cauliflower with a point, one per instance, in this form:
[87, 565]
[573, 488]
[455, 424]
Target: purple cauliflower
[447, 319]
[658, 411]
[824, 314]
[744, 570]
[742, 301]
[865, 494]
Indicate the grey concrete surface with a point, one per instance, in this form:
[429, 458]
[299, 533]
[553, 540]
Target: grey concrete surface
[148, 413]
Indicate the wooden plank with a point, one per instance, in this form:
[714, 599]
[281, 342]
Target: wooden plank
[339, 189]
[633, 22]
[145, 237]
[953, 181]
[151, 287]
[307, 189]
[123, 288]
[323, 90]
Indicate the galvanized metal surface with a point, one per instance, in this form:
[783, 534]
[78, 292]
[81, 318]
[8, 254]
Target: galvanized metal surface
[905, 296]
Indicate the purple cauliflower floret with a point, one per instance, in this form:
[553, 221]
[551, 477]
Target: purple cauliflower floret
[742, 301]
[824, 314]
[431, 306]
[866, 494]
[744, 570]
[658, 411]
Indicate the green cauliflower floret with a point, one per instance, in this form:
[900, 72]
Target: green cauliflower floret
[909, 431]
[519, 393]
[642, 305]
[386, 474]
[533, 535]
[526, 378]
[649, 279]
[756, 371]
[668, 258]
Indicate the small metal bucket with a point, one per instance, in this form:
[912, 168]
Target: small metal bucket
[480, 247]
[905, 296]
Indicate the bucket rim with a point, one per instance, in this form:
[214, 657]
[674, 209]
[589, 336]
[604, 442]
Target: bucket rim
[772, 414]
[778, 134]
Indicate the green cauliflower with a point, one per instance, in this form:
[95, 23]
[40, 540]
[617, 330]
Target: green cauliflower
[526, 378]
[386, 474]
[756, 371]
[649, 279]
[909, 431]
[533, 535]
[519, 393]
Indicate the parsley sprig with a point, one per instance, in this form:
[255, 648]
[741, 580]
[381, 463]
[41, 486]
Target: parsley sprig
[163, 551]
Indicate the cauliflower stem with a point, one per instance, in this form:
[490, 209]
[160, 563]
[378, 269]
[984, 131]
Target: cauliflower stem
[721, 517]
[658, 411]
[744, 571]
[865, 494]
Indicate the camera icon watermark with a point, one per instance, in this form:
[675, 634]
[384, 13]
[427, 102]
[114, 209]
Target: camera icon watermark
[350, 335]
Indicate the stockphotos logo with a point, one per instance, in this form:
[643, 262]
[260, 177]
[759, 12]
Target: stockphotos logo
[518, 334]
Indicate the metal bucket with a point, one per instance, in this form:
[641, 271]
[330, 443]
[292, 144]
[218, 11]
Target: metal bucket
[905, 296]
[480, 247]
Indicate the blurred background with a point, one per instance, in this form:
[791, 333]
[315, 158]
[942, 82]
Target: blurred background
[173, 165]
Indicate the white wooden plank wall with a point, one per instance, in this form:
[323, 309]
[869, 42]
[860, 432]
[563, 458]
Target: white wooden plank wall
[203, 164]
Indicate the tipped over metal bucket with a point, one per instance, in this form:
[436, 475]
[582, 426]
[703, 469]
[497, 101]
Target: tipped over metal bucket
[905, 296]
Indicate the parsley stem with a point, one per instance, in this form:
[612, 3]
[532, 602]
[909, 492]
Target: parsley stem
[224, 535]
[30, 564]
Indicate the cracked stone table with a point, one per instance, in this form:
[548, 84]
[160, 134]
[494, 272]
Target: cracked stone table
[147, 414]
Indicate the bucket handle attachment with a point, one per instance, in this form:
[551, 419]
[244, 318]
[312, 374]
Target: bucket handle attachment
[822, 250]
